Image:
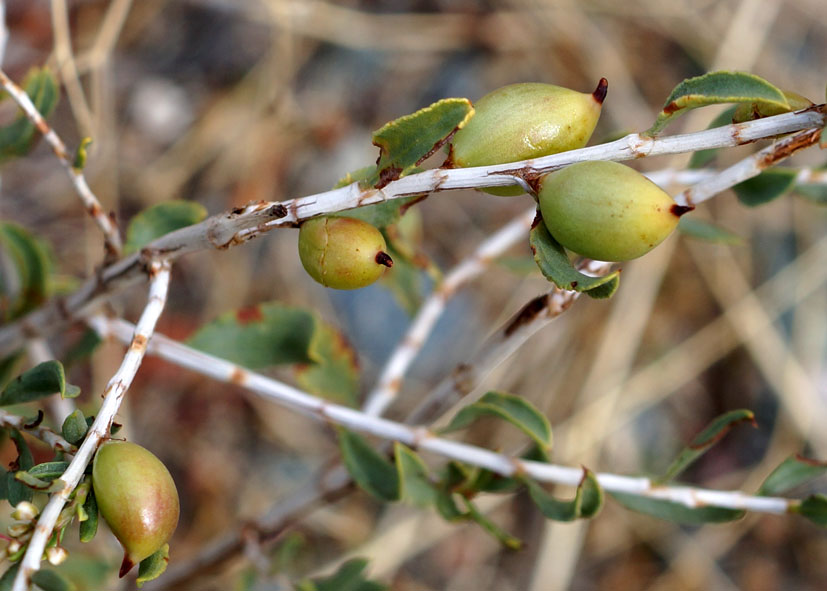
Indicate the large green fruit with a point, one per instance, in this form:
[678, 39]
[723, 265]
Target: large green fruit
[341, 252]
[523, 121]
[606, 211]
[137, 497]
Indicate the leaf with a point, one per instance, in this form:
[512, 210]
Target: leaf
[262, 336]
[758, 109]
[39, 382]
[675, 511]
[81, 154]
[371, 470]
[16, 490]
[502, 536]
[31, 259]
[334, 372]
[405, 282]
[161, 219]
[74, 427]
[17, 138]
[817, 193]
[50, 580]
[765, 187]
[8, 368]
[89, 526]
[154, 566]
[790, 473]
[414, 484]
[704, 440]
[587, 501]
[348, 577]
[82, 349]
[813, 508]
[716, 88]
[701, 158]
[555, 265]
[48, 470]
[405, 142]
[514, 409]
[8, 577]
[707, 231]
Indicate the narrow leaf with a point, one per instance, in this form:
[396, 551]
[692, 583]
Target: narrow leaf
[765, 187]
[371, 471]
[48, 470]
[8, 577]
[814, 508]
[30, 258]
[17, 491]
[707, 231]
[40, 381]
[74, 427]
[89, 526]
[701, 158]
[587, 501]
[405, 142]
[161, 219]
[675, 511]
[154, 566]
[17, 138]
[50, 580]
[792, 472]
[514, 409]
[704, 440]
[348, 577]
[555, 265]
[415, 485]
[502, 536]
[716, 88]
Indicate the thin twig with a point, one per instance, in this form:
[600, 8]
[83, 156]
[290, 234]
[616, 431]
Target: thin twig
[400, 360]
[111, 235]
[159, 273]
[229, 229]
[56, 442]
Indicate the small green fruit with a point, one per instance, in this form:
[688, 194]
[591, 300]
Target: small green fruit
[523, 121]
[136, 497]
[342, 252]
[607, 211]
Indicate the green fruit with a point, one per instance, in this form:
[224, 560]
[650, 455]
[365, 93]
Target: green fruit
[341, 252]
[607, 211]
[523, 121]
[136, 497]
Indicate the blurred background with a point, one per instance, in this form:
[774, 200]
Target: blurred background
[223, 102]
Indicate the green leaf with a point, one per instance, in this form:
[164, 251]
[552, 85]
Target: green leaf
[32, 481]
[153, 566]
[813, 508]
[790, 473]
[502, 536]
[405, 142]
[446, 505]
[161, 219]
[50, 580]
[74, 427]
[8, 368]
[83, 348]
[704, 440]
[16, 490]
[8, 577]
[707, 231]
[514, 409]
[31, 259]
[758, 109]
[348, 577]
[81, 154]
[587, 501]
[675, 511]
[555, 265]
[415, 486]
[371, 470]
[262, 336]
[40, 381]
[334, 371]
[716, 88]
[703, 157]
[89, 526]
[17, 138]
[817, 193]
[765, 187]
[48, 470]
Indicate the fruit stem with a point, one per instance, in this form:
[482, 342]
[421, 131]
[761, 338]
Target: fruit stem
[384, 258]
[599, 93]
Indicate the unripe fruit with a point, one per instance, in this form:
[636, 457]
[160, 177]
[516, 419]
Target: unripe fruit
[523, 121]
[341, 252]
[137, 497]
[607, 211]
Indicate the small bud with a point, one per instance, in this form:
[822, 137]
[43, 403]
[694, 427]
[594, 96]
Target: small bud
[13, 548]
[25, 511]
[18, 529]
[56, 555]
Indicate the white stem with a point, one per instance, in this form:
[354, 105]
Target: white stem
[46, 435]
[138, 339]
[110, 232]
[422, 439]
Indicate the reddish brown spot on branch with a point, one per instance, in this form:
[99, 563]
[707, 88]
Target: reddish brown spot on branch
[277, 211]
[388, 175]
[238, 376]
[600, 92]
[527, 314]
[138, 342]
[790, 146]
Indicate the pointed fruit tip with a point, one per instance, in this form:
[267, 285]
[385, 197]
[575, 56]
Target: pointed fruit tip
[679, 210]
[600, 92]
[384, 258]
[126, 566]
